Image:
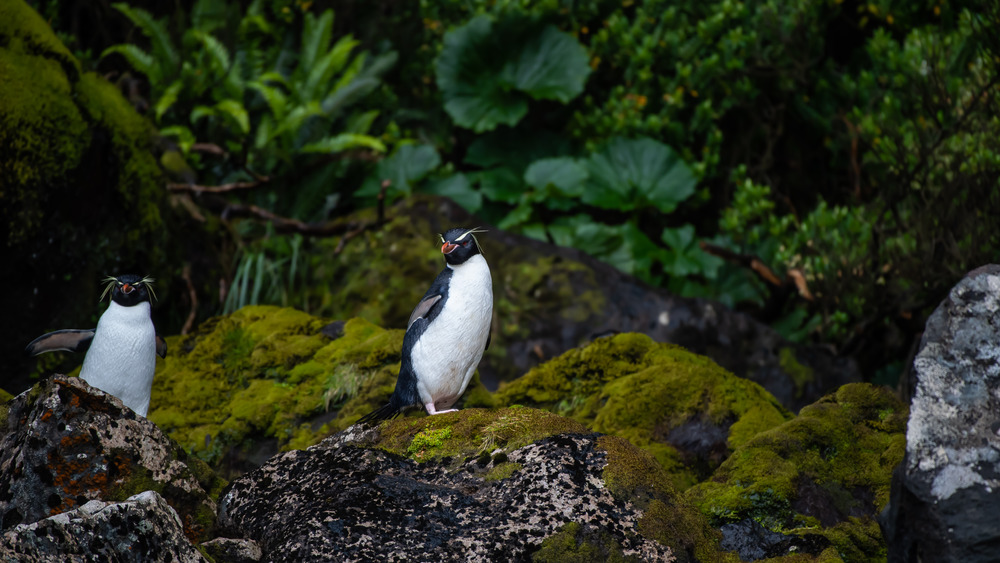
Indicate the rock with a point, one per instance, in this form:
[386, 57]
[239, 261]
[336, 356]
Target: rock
[550, 299]
[475, 485]
[232, 550]
[819, 479]
[946, 494]
[64, 443]
[683, 408]
[140, 528]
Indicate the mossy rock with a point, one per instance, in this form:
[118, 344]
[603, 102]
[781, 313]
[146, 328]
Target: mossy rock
[826, 472]
[487, 436]
[81, 193]
[264, 379]
[683, 408]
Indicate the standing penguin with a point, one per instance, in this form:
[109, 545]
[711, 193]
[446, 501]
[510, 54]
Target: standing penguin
[121, 351]
[447, 333]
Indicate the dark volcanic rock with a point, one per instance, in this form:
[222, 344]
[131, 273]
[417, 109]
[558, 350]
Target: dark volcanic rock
[946, 494]
[142, 528]
[366, 504]
[64, 443]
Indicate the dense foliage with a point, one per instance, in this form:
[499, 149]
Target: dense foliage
[854, 143]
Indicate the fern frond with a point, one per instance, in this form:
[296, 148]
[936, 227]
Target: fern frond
[361, 123]
[236, 112]
[216, 51]
[343, 142]
[167, 99]
[320, 75]
[275, 98]
[138, 59]
[316, 35]
[160, 43]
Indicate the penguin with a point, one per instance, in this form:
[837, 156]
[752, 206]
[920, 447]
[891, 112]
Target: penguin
[448, 331]
[122, 350]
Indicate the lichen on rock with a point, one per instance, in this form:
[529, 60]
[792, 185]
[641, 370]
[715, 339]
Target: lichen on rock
[681, 407]
[823, 475]
[64, 443]
[351, 494]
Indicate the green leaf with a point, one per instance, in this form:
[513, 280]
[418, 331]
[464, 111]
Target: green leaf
[499, 184]
[405, 167]
[138, 59]
[316, 36]
[458, 188]
[361, 123]
[322, 72]
[236, 112]
[202, 111]
[343, 142]
[551, 65]
[515, 148]
[629, 174]
[517, 216]
[296, 117]
[159, 38]
[217, 52]
[185, 138]
[564, 174]
[167, 99]
[275, 98]
[488, 72]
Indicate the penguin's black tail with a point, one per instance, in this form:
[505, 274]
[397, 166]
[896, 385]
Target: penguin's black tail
[386, 412]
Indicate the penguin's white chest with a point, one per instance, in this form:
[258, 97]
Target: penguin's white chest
[122, 357]
[447, 353]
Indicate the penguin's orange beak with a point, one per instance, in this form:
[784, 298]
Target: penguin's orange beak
[447, 247]
[126, 289]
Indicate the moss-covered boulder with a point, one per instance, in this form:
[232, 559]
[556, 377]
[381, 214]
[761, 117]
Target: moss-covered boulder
[549, 299]
[683, 408]
[821, 477]
[81, 194]
[244, 386]
[500, 484]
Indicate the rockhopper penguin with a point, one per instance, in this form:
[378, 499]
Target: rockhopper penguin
[447, 333]
[121, 351]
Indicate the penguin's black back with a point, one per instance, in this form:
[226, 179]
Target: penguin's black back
[405, 395]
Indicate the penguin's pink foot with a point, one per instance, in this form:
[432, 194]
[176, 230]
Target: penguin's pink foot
[431, 410]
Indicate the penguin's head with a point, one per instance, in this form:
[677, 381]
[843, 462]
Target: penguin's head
[129, 289]
[458, 245]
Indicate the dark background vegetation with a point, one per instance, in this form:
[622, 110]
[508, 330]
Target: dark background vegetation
[828, 167]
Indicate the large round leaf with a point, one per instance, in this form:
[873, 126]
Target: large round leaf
[488, 70]
[628, 174]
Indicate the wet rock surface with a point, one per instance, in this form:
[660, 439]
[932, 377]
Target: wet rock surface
[946, 494]
[362, 503]
[141, 528]
[64, 443]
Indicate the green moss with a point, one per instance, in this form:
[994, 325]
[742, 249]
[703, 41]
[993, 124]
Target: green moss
[633, 476]
[502, 471]
[427, 440]
[471, 432]
[801, 375]
[838, 453]
[630, 386]
[5, 396]
[574, 543]
[266, 372]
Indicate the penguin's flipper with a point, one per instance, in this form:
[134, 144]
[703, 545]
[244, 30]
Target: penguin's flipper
[161, 346]
[423, 309]
[70, 340]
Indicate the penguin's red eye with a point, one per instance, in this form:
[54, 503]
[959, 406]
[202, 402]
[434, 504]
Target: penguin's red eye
[466, 243]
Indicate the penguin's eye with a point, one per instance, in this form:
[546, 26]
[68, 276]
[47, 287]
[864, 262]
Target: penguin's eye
[466, 243]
